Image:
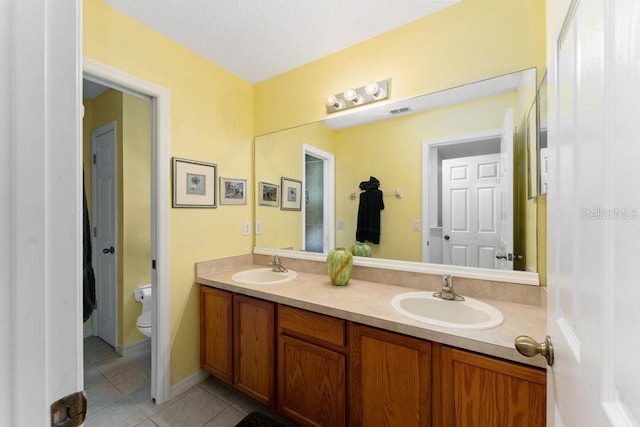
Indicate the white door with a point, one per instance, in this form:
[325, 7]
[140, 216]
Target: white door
[40, 212]
[103, 211]
[471, 214]
[506, 180]
[594, 216]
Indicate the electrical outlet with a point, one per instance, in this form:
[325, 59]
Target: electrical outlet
[246, 228]
[258, 227]
[415, 225]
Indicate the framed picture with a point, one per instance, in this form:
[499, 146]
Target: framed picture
[194, 184]
[233, 191]
[268, 194]
[291, 194]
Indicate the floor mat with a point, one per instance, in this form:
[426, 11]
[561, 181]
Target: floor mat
[258, 419]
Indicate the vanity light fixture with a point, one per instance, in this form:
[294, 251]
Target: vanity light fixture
[372, 92]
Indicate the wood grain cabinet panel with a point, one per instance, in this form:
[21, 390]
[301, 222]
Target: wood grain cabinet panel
[479, 391]
[254, 348]
[312, 366]
[390, 379]
[216, 338]
[311, 383]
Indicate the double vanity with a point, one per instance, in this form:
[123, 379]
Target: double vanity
[379, 351]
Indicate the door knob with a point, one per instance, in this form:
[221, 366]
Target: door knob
[501, 256]
[446, 237]
[529, 347]
[108, 250]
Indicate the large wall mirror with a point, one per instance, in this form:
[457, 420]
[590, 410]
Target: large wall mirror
[452, 167]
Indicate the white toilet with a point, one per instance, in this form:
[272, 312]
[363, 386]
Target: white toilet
[143, 294]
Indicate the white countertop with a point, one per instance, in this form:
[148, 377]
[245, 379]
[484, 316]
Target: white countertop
[369, 303]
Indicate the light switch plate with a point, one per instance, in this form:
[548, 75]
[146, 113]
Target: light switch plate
[247, 228]
[258, 227]
[415, 225]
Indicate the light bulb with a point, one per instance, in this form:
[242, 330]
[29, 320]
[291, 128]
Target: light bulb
[334, 102]
[374, 90]
[351, 95]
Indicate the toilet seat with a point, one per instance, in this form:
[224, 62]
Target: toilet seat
[144, 320]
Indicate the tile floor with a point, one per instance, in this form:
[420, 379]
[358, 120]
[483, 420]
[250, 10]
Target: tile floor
[118, 394]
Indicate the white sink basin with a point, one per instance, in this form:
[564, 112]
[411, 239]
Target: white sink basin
[263, 276]
[467, 314]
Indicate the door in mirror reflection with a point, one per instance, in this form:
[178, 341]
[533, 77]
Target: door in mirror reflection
[318, 182]
[472, 224]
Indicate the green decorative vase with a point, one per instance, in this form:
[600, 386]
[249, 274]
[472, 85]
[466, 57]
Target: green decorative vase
[361, 249]
[340, 264]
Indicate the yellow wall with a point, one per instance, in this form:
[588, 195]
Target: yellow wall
[280, 154]
[469, 41]
[211, 119]
[134, 225]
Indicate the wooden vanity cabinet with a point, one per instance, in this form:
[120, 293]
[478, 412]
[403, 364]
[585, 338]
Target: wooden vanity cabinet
[237, 342]
[254, 348]
[389, 378]
[216, 333]
[394, 380]
[476, 390]
[311, 367]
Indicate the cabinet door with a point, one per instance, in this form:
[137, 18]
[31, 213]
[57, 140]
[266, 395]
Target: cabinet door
[390, 381]
[254, 348]
[216, 333]
[483, 391]
[311, 383]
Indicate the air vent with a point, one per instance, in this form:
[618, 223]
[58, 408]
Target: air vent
[400, 110]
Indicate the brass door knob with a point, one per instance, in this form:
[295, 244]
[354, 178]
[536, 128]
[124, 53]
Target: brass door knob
[529, 347]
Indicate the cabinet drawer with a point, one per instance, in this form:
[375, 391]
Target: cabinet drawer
[312, 326]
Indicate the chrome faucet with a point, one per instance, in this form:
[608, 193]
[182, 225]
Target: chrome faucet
[447, 289]
[276, 265]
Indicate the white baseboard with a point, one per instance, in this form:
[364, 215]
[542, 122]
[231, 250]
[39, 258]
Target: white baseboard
[184, 385]
[125, 350]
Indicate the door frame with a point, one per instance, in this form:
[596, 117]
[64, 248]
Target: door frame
[430, 172]
[103, 129]
[160, 203]
[328, 161]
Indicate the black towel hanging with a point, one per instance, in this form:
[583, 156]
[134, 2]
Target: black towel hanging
[371, 204]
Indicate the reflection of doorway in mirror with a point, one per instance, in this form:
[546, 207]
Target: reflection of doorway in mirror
[319, 201]
[313, 204]
[437, 243]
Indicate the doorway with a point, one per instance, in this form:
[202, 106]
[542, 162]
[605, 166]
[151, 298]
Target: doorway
[158, 213]
[117, 166]
[318, 188]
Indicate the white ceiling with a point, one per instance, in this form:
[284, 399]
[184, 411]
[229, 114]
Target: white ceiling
[259, 39]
